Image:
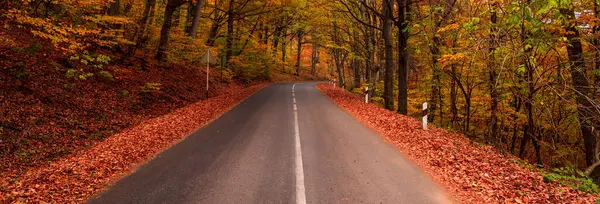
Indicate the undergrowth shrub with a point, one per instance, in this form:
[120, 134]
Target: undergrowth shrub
[226, 75]
[377, 100]
[569, 176]
[78, 75]
[97, 61]
[361, 90]
[150, 87]
[106, 75]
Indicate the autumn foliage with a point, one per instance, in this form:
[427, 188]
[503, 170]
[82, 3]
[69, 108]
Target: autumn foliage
[472, 172]
[78, 176]
[522, 76]
[75, 74]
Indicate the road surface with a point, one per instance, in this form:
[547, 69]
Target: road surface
[285, 144]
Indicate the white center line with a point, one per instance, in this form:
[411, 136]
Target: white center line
[300, 195]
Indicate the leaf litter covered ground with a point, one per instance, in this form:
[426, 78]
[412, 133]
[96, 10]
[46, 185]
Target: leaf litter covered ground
[78, 176]
[472, 173]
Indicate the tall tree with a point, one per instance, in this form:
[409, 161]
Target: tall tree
[114, 8]
[587, 113]
[403, 34]
[140, 31]
[196, 20]
[300, 34]
[229, 41]
[493, 79]
[388, 87]
[165, 31]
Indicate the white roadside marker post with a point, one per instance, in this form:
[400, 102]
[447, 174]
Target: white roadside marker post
[425, 116]
[207, 72]
[207, 58]
[367, 95]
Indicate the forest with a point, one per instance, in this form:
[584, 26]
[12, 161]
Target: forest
[522, 76]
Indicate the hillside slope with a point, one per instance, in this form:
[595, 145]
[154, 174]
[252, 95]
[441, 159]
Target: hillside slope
[473, 173]
[52, 106]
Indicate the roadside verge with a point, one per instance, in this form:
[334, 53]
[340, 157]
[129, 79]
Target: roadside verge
[471, 172]
[79, 176]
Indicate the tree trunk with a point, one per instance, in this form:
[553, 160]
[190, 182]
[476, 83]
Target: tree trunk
[189, 17]
[370, 44]
[314, 60]
[436, 83]
[453, 97]
[388, 87]
[229, 41]
[529, 68]
[196, 20]
[341, 72]
[586, 112]
[528, 104]
[277, 35]
[596, 43]
[356, 69]
[142, 25]
[468, 112]
[403, 13]
[163, 45]
[338, 56]
[493, 76]
[283, 48]
[114, 8]
[151, 16]
[299, 54]
[212, 34]
[517, 105]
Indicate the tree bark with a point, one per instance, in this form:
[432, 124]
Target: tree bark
[229, 41]
[338, 56]
[403, 13]
[453, 97]
[388, 87]
[596, 43]
[356, 69]
[369, 47]
[196, 20]
[299, 54]
[163, 45]
[212, 34]
[115, 8]
[517, 103]
[436, 82]
[142, 25]
[586, 112]
[530, 69]
[283, 48]
[493, 76]
[189, 17]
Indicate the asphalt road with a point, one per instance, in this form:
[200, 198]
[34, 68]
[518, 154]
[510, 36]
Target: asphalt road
[285, 144]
